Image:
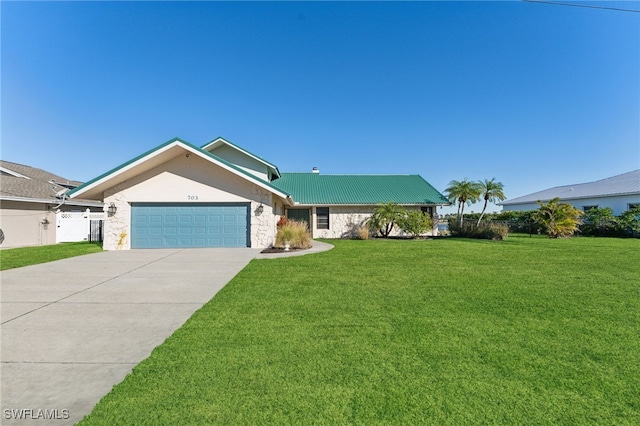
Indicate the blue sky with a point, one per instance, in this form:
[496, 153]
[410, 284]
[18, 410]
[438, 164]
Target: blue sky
[535, 95]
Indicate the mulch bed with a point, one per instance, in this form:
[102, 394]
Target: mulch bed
[280, 250]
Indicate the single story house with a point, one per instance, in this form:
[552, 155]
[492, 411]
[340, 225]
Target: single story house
[620, 193]
[33, 203]
[221, 195]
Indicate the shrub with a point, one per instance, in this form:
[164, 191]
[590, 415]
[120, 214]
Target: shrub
[492, 230]
[282, 221]
[363, 233]
[486, 230]
[415, 223]
[629, 222]
[558, 219]
[601, 222]
[296, 233]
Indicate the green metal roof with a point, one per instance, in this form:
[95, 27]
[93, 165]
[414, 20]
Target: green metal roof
[318, 189]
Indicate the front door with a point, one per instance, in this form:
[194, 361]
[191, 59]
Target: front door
[300, 215]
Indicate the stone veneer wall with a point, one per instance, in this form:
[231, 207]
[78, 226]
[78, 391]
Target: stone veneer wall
[116, 227]
[345, 220]
[263, 226]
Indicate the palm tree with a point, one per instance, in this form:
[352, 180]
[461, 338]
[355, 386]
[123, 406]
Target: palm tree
[463, 192]
[384, 217]
[490, 191]
[558, 219]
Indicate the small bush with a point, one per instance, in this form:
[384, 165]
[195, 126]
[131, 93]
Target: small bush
[296, 233]
[282, 221]
[415, 223]
[363, 233]
[492, 231]
[486, 230]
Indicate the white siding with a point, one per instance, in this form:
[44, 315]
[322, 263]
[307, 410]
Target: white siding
[618, 204]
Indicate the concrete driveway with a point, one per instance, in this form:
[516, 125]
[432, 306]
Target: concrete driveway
[74, 328]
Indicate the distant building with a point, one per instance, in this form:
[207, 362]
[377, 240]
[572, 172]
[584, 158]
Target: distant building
[34, 208]
[620, 193]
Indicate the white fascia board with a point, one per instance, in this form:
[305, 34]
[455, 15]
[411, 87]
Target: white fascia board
[12, 173]
[51, 201]
[126, 168]
[221, 141]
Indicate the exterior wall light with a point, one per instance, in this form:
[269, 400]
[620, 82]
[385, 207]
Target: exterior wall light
[259, 209]
[112, 209]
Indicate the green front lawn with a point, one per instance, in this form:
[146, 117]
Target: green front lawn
[450, 331]
[25, 256]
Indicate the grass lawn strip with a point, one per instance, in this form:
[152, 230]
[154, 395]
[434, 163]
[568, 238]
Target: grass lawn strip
[524, 331]
[25, 256]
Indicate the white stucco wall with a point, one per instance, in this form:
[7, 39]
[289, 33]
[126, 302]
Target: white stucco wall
[27, 224]
[618, 204]
[31, 224]
[187, 180]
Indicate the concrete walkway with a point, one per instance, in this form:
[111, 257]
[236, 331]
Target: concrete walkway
[74, 328]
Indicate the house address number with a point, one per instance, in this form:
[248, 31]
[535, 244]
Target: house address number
[192, 197]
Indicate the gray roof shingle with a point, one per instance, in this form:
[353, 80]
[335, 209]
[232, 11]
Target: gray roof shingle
[624, 184]
[33, 183]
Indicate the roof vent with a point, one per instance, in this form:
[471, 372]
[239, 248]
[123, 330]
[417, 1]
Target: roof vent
[315, 170]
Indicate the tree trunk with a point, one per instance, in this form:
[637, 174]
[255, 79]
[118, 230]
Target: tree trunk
[483, 209]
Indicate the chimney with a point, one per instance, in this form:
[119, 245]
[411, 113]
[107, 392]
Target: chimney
[316, 170]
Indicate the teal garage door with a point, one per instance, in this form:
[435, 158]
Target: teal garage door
[189, 225]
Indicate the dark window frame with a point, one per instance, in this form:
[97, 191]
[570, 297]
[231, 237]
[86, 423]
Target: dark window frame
[322, 218]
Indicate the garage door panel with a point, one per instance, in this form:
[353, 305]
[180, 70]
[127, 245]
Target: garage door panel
[202, 225]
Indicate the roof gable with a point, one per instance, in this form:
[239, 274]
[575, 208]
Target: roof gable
[624, 184]
[218, 146]
[157, 156]
[318, 189]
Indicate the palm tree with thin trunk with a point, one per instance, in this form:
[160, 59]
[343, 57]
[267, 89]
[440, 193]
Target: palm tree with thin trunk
[490, 191]
[384, 217]
[463, 192]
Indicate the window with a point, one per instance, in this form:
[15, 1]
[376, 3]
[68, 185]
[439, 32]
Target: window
[633, 206]
[322, 214]
[587, 208]
[427, 210]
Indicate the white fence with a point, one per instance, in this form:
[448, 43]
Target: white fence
[75, 226]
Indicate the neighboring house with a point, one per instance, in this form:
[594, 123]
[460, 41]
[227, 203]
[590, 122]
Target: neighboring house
[30, 199]
[220, 195]
[620, 193]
